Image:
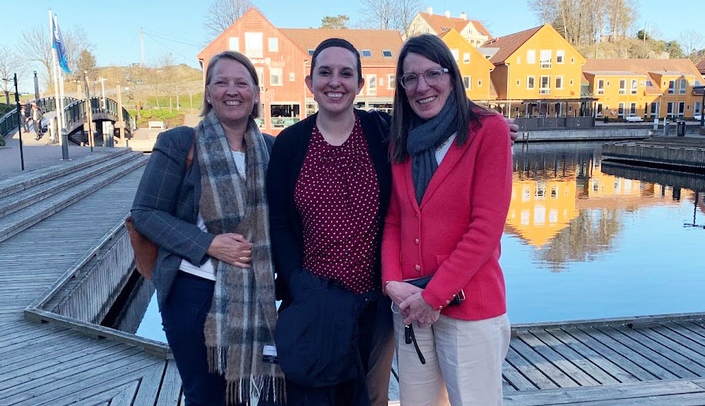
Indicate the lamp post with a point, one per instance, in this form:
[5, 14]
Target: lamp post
[19, 122]
[89, 111]
[36, 86]
[102, 91]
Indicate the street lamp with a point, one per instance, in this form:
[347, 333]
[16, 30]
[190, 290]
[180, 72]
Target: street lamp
[36, 86]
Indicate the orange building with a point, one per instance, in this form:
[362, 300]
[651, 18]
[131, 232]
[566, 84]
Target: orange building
[474, 67]
[644, 88]
[282, 58]
[537, 73]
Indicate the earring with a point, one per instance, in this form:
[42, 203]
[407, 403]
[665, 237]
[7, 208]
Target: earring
[208, 101]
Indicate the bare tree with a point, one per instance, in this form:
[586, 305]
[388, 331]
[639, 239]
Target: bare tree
[35, 46]
[222, 14]
[389, 14]
[691, 42]
[10, 63]
[621, 15]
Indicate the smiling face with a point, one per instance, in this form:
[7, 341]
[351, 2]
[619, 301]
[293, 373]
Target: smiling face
[426, 101]
[335, 81]
[231, 92]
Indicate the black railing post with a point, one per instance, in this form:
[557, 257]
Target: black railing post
[19, 122]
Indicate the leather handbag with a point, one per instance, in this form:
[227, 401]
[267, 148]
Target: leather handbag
[145, 249]
[424, 280]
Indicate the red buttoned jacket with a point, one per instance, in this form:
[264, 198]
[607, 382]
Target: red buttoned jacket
[455, 233]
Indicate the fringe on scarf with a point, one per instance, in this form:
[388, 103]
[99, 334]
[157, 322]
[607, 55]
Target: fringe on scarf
[266, 387]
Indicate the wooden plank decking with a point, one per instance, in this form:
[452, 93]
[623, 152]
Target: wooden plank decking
[647, 361]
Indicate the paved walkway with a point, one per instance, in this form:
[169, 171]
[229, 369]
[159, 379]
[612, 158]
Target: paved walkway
[35, 154]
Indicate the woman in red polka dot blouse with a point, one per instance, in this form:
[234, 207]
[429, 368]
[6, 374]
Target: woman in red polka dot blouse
[328, 188]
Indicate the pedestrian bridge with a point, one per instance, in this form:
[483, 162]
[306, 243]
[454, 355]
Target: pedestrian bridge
[76, 113]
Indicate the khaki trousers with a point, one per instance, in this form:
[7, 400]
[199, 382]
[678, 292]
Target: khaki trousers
[463, 362]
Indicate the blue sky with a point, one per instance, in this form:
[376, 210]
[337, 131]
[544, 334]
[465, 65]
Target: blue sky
[176, 26]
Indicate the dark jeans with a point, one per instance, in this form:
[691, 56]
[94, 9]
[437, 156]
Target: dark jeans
[376, 345]
[183, 319]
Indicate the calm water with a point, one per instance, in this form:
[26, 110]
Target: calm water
[585, 240]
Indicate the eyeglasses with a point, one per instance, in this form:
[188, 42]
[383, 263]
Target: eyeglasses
[431, 76]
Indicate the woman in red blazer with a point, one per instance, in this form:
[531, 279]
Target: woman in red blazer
[452, 174]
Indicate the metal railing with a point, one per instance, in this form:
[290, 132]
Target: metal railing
[75, 111]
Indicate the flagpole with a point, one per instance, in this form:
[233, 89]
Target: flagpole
[58, 87]
[54, 72]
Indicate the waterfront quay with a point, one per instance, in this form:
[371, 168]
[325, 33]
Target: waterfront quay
[64, 255]
[671, 153]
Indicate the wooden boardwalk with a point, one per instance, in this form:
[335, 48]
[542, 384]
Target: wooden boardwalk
[645, 361]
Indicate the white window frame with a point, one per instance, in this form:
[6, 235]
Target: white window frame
[559, 82]
[456, 54]
[671, 87]
[600, 86]
[273, 44]
[466, 57]
[391, 82]
[544, 80]
[634, 86]
[622, 86]
[531, 56]
[467, 82]
[276, 77]
[545, 58]
[655, 108]
[371, 85]
[682, 86]
[560, 56]
[253, 45]
[531, 82]
[234, 44]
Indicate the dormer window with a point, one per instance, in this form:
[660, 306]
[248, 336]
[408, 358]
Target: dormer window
[387, 53]
[366, 53]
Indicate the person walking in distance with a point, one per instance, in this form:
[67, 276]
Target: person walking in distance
[37, 116]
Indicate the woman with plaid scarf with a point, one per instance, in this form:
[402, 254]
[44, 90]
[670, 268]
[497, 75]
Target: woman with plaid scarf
[213, 276]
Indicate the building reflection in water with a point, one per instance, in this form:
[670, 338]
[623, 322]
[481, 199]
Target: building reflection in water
[566, 206]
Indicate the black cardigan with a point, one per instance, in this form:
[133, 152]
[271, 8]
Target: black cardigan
[285, 164]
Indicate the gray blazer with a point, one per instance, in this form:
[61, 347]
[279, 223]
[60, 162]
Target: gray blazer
[166, 206]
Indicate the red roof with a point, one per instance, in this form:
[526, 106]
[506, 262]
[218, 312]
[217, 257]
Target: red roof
[441, 23]
[508, 44]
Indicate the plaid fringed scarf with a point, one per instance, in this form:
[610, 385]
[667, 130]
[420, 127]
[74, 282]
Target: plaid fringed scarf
[243, 315]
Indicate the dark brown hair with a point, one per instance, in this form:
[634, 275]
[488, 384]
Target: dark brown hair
[337, 43]
[432, 48]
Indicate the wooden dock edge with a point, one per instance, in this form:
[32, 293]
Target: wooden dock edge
[35, 312]
[634, 322]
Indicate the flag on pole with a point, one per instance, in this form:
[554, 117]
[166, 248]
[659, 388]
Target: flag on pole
[57, 42]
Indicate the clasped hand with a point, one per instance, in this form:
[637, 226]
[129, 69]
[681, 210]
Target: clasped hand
[231, 248]
[412, 305]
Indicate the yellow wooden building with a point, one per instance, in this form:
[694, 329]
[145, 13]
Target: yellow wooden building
[537, 74]
[644, 89]
[474, 67]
